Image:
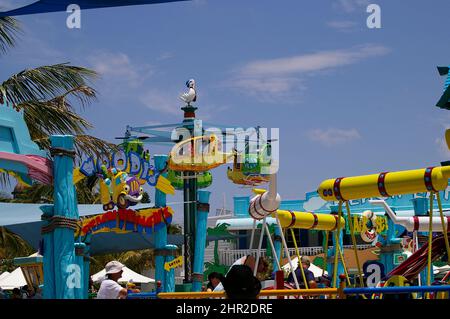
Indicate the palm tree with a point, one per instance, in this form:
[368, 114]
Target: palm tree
[11, 246]
[136, 260]
[271, 228]
[46, 95]
[217, 232]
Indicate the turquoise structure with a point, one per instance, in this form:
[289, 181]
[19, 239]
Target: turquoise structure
[15, 138]
[390, 246]
[61, 276]
[169, 279]
[80, 287]
[332, 251]
[161, 233]
[277, 244]
[421, 208]
[86, 265]
[200, 242]
[444, 101]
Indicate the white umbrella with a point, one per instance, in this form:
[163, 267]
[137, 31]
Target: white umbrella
[443, 269]
[127, 276]
[4, 274]
[313, 268]
[16, 279]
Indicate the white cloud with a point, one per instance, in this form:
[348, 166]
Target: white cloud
[161, 102]
[275, 78]
[200, 2]
[343, 25]
[313, 62]
[149, 123]
[165, 55]
[442, 147]
[314, 203]
[118, 67]
[351, 5]
[333, 136]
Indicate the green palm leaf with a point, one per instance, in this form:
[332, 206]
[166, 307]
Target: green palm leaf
[9, 30]
[45, 82]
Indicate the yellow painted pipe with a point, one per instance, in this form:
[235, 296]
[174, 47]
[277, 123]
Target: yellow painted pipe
[263, 293]
[307, 220]
[385, 184]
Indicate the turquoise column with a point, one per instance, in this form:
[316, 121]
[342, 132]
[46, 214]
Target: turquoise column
[390, 247]
[86, 264]
[169, 280]
[161, 233]
[65, 216]
[200, 239]
[79, 260]
[49, 290]
[421, 208]
[332, 251]
[277, 244]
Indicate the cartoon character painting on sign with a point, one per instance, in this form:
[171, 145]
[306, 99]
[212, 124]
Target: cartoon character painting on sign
[119, 189]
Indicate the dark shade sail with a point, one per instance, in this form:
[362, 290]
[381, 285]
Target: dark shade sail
[44, 6]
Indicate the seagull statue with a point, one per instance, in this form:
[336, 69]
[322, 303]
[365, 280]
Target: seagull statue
[191, 95]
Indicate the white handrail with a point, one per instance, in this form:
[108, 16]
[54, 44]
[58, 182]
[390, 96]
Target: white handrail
[229, 256]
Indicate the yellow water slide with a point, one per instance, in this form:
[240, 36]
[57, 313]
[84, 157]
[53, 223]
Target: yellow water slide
[385, 184]
[308, 220]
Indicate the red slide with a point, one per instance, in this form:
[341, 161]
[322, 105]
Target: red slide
[412, 266]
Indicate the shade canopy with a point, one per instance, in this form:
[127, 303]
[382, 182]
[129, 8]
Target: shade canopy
[4, 274]
[44, 6]
[127, 276]
[16, 279]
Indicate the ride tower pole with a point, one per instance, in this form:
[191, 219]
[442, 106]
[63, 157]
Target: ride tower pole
[190, 199]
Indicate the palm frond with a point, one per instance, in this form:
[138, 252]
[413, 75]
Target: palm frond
[45, 82]
[83, 94]
[45, 118]
[84, 145]
[9, 30]
[37, 193]
[92, 146]
[12, 245]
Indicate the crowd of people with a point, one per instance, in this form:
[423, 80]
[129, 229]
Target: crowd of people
[241, 283]
[24, 292]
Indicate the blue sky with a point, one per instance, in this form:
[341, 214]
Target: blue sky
[348, 100]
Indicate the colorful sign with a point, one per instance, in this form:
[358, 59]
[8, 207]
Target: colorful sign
[129, 162]
[360, 224]
[177, 262]
[144, 221]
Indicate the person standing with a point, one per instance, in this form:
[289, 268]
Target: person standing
[309, 275]
[240, 283]
[214, 279]
[249, 261]
[109, 288]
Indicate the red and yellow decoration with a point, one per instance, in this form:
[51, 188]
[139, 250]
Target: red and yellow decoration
[144, 221]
